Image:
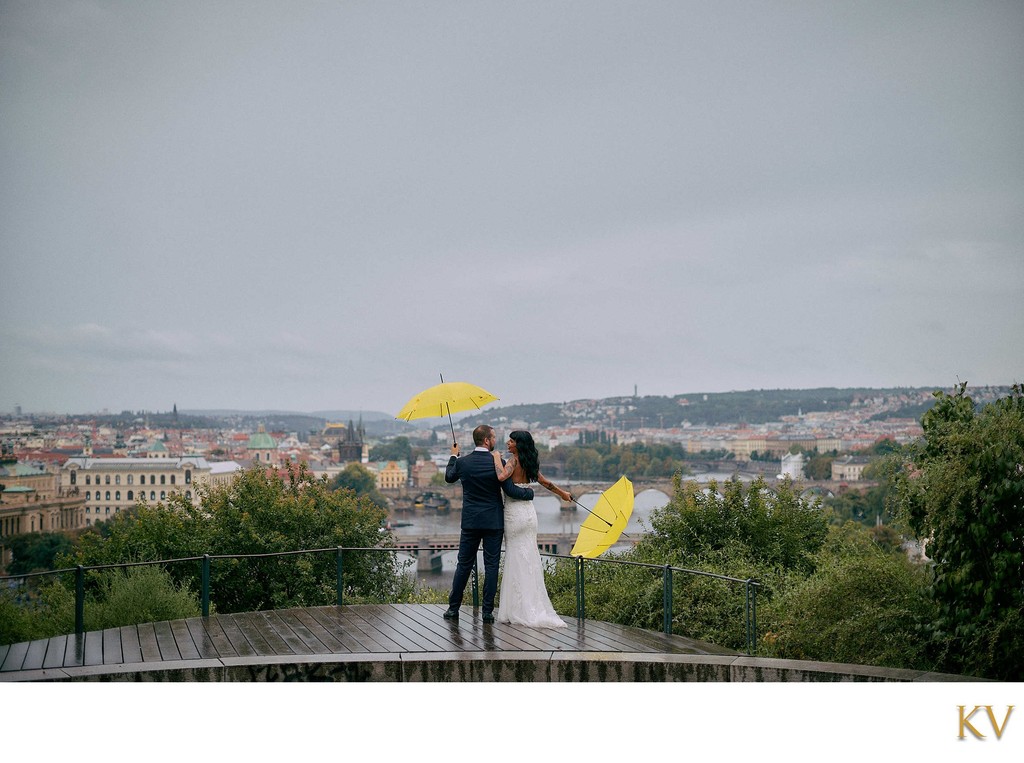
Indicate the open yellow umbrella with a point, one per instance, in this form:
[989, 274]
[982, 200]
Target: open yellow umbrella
[444, 399]
[606, 522]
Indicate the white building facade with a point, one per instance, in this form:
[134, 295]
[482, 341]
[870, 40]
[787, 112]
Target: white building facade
[112, 485]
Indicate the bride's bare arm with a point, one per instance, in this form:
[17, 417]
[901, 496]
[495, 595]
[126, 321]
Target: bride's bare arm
[504, 472]
[563, 494]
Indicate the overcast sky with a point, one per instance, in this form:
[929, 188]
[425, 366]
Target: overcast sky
[317, 205]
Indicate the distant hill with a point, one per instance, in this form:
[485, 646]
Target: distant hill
[375, 423]
[342, 416]
[705, 408]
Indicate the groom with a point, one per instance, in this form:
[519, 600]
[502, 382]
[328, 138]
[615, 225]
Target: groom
[482, 517]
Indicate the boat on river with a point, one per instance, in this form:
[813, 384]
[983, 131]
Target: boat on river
[431, 501]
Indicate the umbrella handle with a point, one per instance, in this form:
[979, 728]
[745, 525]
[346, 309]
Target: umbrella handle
[590, 512]
[454, 441]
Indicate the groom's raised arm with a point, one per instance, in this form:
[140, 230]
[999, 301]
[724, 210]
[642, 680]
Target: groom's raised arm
[451, 471]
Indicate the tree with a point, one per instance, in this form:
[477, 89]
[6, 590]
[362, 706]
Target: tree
[361, 482]
[866, 603]
[37, 551]
[773, 527]
[398, 449]
[960, 489]
[819, 466]
[260, 512]
[866, 506]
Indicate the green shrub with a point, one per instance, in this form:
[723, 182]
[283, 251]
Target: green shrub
[138, 595]
[30, 614]
[862, 605]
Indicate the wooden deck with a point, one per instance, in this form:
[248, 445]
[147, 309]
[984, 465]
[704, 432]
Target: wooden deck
[354, 642]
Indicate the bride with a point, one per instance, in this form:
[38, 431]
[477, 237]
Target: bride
[523, 599]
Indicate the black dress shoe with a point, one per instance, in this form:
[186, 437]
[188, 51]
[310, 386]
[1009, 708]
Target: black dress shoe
[451, 614]
[488, 618]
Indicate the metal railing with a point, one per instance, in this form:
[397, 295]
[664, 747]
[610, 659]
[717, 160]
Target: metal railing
[206, 560]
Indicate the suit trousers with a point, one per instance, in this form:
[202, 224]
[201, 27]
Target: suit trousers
[469, 542]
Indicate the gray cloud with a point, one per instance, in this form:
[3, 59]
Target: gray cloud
[325, 205]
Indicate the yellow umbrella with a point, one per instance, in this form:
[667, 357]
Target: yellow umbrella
[444, 399]
[606, 522]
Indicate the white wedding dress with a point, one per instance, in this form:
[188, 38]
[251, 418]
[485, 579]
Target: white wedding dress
[523, 599]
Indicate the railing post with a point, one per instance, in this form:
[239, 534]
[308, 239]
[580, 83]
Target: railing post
[340, 583]
[476, 585]
[581, 598]
[206, 585]
[667, 599]
[80, 599]
[751, 617]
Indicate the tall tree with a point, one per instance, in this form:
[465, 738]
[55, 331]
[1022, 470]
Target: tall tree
[960, 489]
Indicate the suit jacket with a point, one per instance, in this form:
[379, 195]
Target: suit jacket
[482, 505]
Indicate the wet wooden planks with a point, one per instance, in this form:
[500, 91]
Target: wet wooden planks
[353, 629]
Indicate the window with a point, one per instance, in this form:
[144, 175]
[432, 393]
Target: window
[163, 479]
[88, 480]
[117, 495]
[107, 496]
[188, 476]
[188, 494]
[163, 495]
[117, 479]
[87, 509]
[152, 479]
[131, 496]
[152, 495]
[107, 480]
[172, 479]
[88, 495]
[131, 479]
[74, 477]
[108, 509]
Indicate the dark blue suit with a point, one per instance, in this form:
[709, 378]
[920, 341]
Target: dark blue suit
[483, 519]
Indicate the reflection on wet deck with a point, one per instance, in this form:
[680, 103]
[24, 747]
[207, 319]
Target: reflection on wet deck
[354, 642]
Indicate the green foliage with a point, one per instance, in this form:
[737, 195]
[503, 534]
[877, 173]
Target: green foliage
[37, 612]
[397, 449]
[961, 490]
[18, 620]
[259, 513]
[32, 552]
[361, 482]
[117, 597]
[144, 594]
[865, 604]
[744, 532]
[775, 528]
[864, 506]
[819, 466]
[609, 461]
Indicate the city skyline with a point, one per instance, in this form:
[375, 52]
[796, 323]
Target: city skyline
[312, 206]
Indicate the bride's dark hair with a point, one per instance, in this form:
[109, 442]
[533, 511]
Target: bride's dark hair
[527, 452]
